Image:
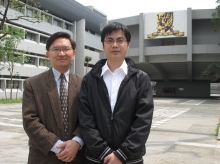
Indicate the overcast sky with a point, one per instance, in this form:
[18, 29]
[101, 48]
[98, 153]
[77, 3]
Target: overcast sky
[124, 8]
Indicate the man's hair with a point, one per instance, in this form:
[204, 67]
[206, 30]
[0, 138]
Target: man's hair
[60, 35]
[115, 26]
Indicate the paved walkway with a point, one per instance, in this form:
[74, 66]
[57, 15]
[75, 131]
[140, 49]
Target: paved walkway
[183, 132]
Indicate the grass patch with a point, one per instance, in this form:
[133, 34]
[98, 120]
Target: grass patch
[217, 129]
[8, 101]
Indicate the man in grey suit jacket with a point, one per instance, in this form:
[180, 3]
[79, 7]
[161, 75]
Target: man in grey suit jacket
[43, 116]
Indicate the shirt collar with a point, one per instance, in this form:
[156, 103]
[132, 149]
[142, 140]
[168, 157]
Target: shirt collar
[123, 67]
[105, 68]
[57, 74]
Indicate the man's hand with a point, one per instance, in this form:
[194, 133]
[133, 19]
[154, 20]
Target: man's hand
[111, 159]
[68, 151]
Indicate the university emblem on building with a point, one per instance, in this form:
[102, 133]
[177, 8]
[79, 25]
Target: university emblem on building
[165, 26]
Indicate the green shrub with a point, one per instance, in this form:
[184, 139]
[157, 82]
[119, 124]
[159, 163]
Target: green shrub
[8, 101]
[217, 129]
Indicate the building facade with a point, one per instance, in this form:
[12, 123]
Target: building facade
[82, 23]
[174, 48]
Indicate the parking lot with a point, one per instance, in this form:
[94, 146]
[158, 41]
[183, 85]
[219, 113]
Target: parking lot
[183, 131]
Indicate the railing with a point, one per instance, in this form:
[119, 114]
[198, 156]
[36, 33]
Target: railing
[215, 89]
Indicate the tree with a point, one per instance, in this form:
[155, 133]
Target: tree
[87, 60]
[19, 5]
[216, 17]
[18, 75]
[9, 55]
[214, 68]
[11, 36]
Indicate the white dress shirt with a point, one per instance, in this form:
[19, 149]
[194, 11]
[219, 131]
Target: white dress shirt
[113, 81]
[58, 80]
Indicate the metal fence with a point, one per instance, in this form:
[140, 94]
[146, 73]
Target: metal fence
[215, 88]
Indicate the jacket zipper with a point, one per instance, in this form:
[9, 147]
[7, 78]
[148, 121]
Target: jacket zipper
[112, 131]
[112, 114]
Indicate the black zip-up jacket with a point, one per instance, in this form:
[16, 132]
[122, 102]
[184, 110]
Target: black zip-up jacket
[123, 131]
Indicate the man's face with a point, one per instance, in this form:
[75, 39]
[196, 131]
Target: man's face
[115, 46]
[61, 60]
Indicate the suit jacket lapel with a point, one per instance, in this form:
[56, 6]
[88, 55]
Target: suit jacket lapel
[72, 93]
[55, 101]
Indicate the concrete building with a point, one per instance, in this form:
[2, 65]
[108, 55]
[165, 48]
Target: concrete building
[82, 23]
[174, 48]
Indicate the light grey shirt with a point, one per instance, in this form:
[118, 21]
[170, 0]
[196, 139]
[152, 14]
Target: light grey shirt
[58, 80]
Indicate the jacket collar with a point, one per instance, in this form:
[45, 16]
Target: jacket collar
[97, 69]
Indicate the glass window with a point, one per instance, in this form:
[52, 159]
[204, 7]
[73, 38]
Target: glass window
[20, 9]
[2, 2]
[17, 5]
[30, 12]
[30, 36]
[45, 18]
[8, 84]
[44, 62]
[31, 60]
[18, 57]
[68, 27]
[57, 22]
[43, 39]
[15, 84]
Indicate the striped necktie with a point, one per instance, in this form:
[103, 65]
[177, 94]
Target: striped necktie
[64, 104]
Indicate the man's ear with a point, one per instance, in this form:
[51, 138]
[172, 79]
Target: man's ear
[47, 54]
[128, 45]
[74, 53]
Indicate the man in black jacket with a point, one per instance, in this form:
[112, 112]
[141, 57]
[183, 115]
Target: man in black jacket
[115, 104]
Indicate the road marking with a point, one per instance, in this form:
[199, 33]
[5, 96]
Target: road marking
[13, 125]
[197, 144]
[165, 101]
[193, 102]
[13, 119]
[166, 114]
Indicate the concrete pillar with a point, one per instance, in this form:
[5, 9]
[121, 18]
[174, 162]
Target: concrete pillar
[37, 62]
[51, 21]
[2, 84]
[73, 64]
[141, 38]
[80, 48]
[22, 86]
[19, 85]
[62, 24]
[189, 43]
[4, 88]
[189, 34]
[38, 38]
[102, 25]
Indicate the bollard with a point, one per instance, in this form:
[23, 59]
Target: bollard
[218, 137]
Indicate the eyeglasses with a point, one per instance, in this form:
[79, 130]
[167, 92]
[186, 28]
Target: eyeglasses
[118, 41]
[57, 50]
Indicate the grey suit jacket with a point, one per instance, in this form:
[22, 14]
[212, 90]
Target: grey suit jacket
[42, 116]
